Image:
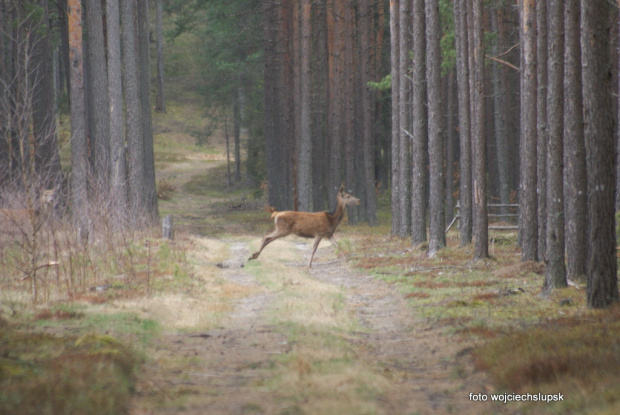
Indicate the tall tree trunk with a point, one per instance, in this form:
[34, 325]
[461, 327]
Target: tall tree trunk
[395, 149]
[542, 125]
[99, 113]
[160, 105]
[419, 131]
[481, 230]
[436, 140]
[43, 114]
[304, 156]
[555, 272]
[574, 150]
[118, 172]
[602, 288]
[404, 155]
[367, 113]
[528, 221]
[79, 156]
[150, 190]
[133, 118]
[462, 72]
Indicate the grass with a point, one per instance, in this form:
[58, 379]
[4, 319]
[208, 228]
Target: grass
[526, 342]
[42, 373]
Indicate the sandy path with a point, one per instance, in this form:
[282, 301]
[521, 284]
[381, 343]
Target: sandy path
[225, 370]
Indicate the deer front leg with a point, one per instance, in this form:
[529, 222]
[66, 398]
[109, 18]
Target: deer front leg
[269, 238]
[317, 239]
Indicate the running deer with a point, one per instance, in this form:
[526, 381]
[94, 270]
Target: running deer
[309, 225]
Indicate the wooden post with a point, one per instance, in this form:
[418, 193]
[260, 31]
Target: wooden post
[168, 227]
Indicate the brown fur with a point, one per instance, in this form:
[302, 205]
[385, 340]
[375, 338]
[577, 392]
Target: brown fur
[309, 225]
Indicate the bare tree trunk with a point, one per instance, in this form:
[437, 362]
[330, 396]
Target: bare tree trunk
[150, 190]
[304, 156]
[99, 113]
[404, 155]
[574, 150]
[367, 113]
[419, 140]
[160, 105]
[602, 265]
[44, 114]
[133, 118]
[395, 149]
[436, 139]
[462, 68]
[527, 198]
[555, 271]
[118, 174]
[481, 230]
[541, 121]
[79, 156]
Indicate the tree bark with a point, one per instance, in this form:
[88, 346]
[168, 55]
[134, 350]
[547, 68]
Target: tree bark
[527, 197]
[79, 161]
[160, 105]
[602, 288]
[419, 151]
[304, 157]
[555, 272]
[541, 125]
[395, 148]
[99, 112]
[574, 150]
[436, 139]
[133, 116]
[150, 190]
[462, 72]
[118, 173]
[480, 230]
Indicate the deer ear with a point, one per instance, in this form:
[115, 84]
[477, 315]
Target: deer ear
[342, 188]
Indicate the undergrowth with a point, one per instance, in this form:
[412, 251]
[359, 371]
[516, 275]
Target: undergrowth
[42, 373]
[527, 343]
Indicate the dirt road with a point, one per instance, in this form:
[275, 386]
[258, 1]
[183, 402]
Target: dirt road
[285, 349]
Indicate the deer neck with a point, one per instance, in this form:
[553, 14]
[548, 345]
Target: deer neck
[337, 214]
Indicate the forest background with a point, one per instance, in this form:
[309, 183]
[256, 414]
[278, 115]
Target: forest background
[434, 101]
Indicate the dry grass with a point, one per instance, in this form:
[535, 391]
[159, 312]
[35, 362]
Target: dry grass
[528, 343]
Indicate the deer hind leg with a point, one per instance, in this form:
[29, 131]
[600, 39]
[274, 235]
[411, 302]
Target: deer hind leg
[317, 239]
[269, 238]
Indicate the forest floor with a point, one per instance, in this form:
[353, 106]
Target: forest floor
[329, 340]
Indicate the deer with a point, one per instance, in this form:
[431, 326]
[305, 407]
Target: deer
[317, 225]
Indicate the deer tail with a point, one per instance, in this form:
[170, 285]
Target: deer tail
[271, 210]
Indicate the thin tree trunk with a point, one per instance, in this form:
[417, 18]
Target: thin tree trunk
[574, 150]
[150, 190]
[542, 126]
[436, 140]
[79, 164]
[395, 149]
[160, 105]
[419, 149]
[528, 221]
[481, 230]
[555, 271]
[133, 119]
[367, 113]
[462, 68]
[118, 178]
[304, 156]
[99, 113]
